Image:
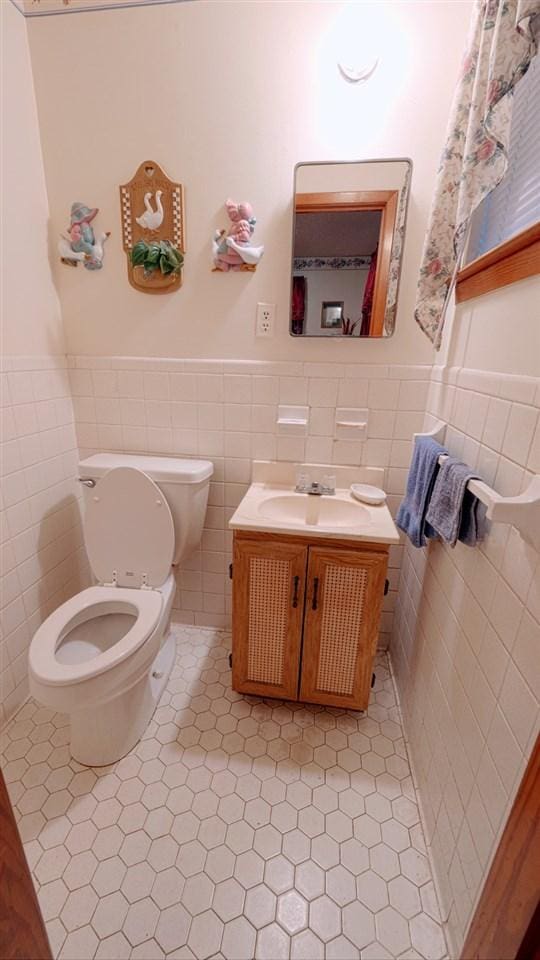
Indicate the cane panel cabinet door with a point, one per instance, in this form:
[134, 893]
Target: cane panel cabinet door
[343, 607]
[268, 609]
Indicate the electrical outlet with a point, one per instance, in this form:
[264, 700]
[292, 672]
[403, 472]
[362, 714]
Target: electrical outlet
[266, 314]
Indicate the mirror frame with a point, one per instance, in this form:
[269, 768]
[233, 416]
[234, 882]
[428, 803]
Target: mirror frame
[389, 203]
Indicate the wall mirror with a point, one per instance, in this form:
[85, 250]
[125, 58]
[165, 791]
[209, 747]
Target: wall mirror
[348, 235]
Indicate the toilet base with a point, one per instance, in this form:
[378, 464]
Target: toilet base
[105, 733]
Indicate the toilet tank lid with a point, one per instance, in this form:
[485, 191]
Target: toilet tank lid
[159, 469]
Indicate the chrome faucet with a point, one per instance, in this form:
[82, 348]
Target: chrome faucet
[316, 488]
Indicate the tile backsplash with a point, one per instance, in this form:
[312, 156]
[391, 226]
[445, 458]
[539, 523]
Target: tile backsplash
[43, 561]
[227, 411]
[465, 643]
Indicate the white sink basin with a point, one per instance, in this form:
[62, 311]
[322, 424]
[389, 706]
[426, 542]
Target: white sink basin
[271, 505]
[313, 511]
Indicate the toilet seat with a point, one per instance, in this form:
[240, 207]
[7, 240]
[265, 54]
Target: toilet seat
[145, 605]
[129, 530]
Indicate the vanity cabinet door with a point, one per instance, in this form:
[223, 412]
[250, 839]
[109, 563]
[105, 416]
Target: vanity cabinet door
[343, 608]
[268, 607]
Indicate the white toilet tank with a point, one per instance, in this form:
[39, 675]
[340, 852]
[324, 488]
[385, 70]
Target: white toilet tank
[184, 484]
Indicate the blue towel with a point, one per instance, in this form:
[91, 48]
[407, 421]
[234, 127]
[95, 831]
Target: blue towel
[423, 470]
[454, 512]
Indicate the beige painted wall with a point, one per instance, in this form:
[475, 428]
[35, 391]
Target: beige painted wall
[500, 331]
[228, 97]
[31, 320]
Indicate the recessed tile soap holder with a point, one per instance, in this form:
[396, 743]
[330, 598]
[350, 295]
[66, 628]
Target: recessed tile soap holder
[292, 421]
[351, 423]
[522, 512]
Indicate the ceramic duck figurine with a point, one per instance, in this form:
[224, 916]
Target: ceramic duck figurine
[69, 256]
[97, 248]
[151, 219]
[233, 250]
[82, 238]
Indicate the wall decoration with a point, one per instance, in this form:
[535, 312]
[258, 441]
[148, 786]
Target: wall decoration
[157, 255]
[332, 314]
[152, 209]
[232, 249]
[81, 246]
[151, 219]
[330, 263]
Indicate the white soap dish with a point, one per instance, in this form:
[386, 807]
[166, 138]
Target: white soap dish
[368, 494]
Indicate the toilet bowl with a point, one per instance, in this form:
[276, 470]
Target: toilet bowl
[105, 655]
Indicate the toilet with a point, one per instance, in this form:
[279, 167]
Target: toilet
[105, 655]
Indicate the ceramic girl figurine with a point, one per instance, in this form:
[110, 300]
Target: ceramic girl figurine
[81, 243]
[233, 249]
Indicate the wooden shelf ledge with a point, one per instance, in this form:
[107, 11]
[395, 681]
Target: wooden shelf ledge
[513, 260]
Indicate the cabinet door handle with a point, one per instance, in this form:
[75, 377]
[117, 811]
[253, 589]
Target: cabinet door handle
[295, 593]
[315, 593]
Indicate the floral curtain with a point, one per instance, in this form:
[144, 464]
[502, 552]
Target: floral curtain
[500, 47]
[369, 290]
[298, 305]
[395, 258]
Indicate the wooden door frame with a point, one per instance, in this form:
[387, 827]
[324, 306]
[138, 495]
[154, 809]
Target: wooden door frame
[355, 200]
[508, 903]
[22, 931]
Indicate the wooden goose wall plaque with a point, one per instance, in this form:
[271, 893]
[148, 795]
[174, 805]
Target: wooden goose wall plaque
[152, 211]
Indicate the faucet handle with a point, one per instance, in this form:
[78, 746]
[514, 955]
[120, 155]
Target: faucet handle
[328, 483]
[302, 482]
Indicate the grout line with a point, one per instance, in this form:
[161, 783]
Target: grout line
[420, 803]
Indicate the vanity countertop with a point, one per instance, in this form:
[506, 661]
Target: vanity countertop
[275, 508]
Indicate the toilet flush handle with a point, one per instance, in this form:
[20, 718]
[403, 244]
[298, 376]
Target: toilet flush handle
[88, 481]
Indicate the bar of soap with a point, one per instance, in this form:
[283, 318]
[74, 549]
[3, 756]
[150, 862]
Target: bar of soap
[368, 494]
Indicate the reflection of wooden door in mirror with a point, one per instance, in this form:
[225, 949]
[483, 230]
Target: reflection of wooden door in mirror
[348, 201]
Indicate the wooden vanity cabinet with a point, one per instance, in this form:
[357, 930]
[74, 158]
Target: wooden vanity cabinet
[306, 617]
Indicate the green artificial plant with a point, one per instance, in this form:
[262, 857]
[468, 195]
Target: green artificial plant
[158, 254]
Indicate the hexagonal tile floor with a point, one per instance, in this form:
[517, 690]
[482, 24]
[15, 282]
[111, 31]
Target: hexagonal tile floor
[237, 828]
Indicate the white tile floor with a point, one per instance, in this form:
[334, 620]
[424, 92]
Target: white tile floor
[237, 828]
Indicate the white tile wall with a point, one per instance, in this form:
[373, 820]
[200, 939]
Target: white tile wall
[466, 642]
[227, 411]
[42, 559]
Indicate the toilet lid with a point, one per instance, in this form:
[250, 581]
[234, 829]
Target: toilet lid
[129, 530]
